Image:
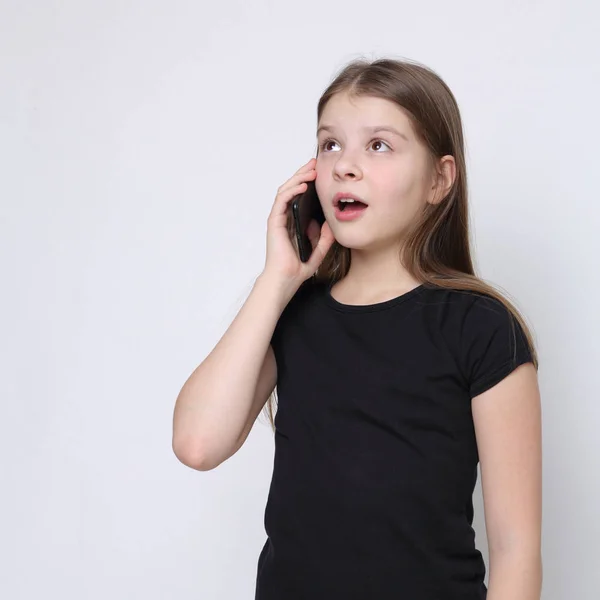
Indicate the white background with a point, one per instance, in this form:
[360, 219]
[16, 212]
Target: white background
[141, 146]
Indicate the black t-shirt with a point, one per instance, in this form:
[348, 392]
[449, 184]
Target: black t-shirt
[375, 451]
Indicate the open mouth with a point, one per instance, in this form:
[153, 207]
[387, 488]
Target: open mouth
[355, 205]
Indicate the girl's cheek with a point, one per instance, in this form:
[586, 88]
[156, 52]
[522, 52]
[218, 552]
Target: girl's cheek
[319, 187]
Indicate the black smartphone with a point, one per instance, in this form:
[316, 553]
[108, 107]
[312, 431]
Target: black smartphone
[306, 206]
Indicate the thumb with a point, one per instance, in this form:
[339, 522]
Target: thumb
[312, 231]
[320, 246]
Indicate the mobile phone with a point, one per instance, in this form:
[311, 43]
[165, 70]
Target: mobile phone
[306, 206]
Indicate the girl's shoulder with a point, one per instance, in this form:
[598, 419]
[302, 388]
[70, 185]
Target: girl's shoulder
[481, 331]
[457, 303]
[465, 312]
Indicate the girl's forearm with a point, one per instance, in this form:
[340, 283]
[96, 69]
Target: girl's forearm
[213, 405]
[515, 575]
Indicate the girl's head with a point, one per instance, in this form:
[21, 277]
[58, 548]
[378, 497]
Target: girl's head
[414, 181]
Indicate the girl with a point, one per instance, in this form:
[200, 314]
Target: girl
[397, 369]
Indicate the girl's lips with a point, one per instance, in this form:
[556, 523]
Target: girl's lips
[350, 213]
[340, 195]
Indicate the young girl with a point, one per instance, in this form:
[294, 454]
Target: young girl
[397, 369]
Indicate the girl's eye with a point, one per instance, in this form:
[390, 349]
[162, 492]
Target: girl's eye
[381, 142]
[323, 146]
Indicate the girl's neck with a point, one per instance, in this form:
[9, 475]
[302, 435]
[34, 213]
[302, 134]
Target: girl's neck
[371, 290]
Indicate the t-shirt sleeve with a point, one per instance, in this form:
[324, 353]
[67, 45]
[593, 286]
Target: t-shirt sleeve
[493, 344]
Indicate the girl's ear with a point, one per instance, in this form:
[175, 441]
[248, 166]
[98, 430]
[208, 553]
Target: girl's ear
[444, 177]
[448, 173]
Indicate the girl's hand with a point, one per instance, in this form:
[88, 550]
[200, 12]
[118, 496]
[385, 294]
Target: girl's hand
[282, 261]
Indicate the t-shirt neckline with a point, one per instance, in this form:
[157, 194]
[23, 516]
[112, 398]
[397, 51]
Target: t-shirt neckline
[358, 308]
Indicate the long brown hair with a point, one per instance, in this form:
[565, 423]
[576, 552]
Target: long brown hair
[437, 248]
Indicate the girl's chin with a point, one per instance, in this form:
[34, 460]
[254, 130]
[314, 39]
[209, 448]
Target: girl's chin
[364, 240]
[353, 242]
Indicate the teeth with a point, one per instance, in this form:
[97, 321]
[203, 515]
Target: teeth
[346, 200]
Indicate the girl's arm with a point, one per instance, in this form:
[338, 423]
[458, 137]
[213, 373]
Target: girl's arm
[218, 404]
[507, 420]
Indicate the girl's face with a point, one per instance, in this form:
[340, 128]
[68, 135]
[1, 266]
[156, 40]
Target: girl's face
[388, 170]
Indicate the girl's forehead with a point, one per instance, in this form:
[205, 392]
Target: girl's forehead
[343, 111]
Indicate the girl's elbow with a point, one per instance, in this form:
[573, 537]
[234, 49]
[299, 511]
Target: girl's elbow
[193, 454]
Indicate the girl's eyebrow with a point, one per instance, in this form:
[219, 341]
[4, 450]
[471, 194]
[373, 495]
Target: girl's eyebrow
[374, 129]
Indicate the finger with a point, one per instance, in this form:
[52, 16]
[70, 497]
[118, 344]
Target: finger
[295, 186]
[307, 166]
[310, 165]
[280, 206]
[296, 179]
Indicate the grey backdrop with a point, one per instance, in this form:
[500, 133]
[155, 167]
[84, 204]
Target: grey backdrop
[141, 146]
